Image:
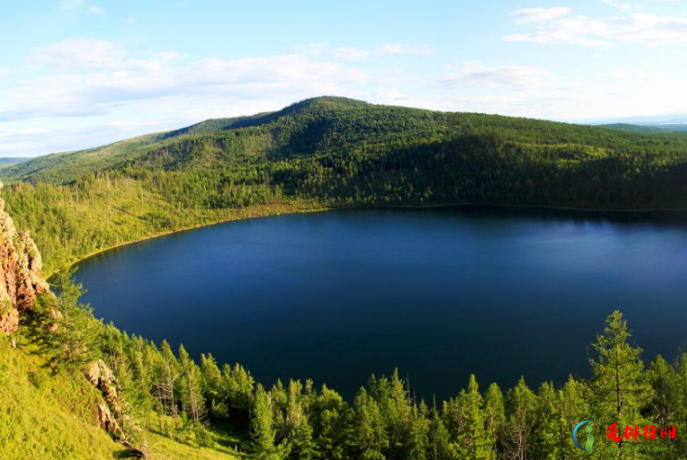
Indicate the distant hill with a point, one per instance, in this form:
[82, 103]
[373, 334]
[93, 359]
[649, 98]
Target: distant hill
[324, 124]
[12, 160]
[327, 152]
[647, 129]
[9, 161]
[635, 128]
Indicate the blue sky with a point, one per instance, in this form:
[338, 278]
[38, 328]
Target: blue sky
[80, 73]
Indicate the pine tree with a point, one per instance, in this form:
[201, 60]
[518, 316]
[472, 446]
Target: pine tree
[370, 435]
[521, 404]
[330, 417]
[298, 430]
[279, 398]
[666, 384]
[237, 386]
[418, 435]
[440, 439]
[190, 387]
[548, 444]
[620, 386]
[212, 386]
[474, 442]
[75, 331]
[666, 409]
[166, 375]
[396, 410]
[495, 417]
[574, 408]
[263, 433]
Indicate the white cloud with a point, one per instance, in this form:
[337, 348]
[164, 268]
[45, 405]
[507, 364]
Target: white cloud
[403, 49]
[645, 28]
[97, 10]
[93, 77]
[516, 77]
[352, 53]
[80, 54]
[538, 14]
[311, 49]
[4, 70]
[130, 21]
[624, 6]
[27, 141]
[71, 4]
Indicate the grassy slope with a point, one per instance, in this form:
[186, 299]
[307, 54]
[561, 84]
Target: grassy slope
[46, 416]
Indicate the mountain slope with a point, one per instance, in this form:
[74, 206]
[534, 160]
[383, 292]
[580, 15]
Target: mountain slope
[48, 408]
[328, 152]
[323, 125]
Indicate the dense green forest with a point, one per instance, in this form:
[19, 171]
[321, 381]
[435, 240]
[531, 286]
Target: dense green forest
[197, 404]
[318, 154]
[329, 152]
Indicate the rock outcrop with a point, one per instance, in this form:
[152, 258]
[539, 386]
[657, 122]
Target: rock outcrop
[20, 273]
[109, 411]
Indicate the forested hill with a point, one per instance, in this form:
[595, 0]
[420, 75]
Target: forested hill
[328, 152]
[339, 127]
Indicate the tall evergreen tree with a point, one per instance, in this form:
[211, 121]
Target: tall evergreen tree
[418, 434]
[666, 409]
[74, 332]
[331, 424]
[574, 408]
[370, 436]
[237, 386]
[550, 439]
[521, 405]
[495, 417]
[440, 439]
[212, 386]
[620, 387]
[298, 430]
[263, 433]
[396, 410]
[474, 442]
[165, 381]
[191, 394]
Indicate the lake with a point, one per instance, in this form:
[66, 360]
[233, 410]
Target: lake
[439, 294]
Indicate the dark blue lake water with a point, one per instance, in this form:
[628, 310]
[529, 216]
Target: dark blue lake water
[440, 294]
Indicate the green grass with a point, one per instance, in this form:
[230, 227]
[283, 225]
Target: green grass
[48, 416]
[45, 416]
[162, 448]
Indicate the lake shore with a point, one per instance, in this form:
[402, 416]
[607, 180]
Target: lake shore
[303, 207]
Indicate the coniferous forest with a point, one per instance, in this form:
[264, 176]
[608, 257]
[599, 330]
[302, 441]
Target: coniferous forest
[213, 404]
[321, 154]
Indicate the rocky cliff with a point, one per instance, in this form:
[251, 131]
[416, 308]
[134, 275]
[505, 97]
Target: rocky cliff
[20, 272]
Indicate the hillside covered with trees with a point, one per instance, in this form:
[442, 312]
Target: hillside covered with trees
[319, 154]
[170, 406]
[329, 152]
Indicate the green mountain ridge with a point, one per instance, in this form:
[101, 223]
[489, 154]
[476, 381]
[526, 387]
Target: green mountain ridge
[321, 153]
[311, 124]
[329, 152]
